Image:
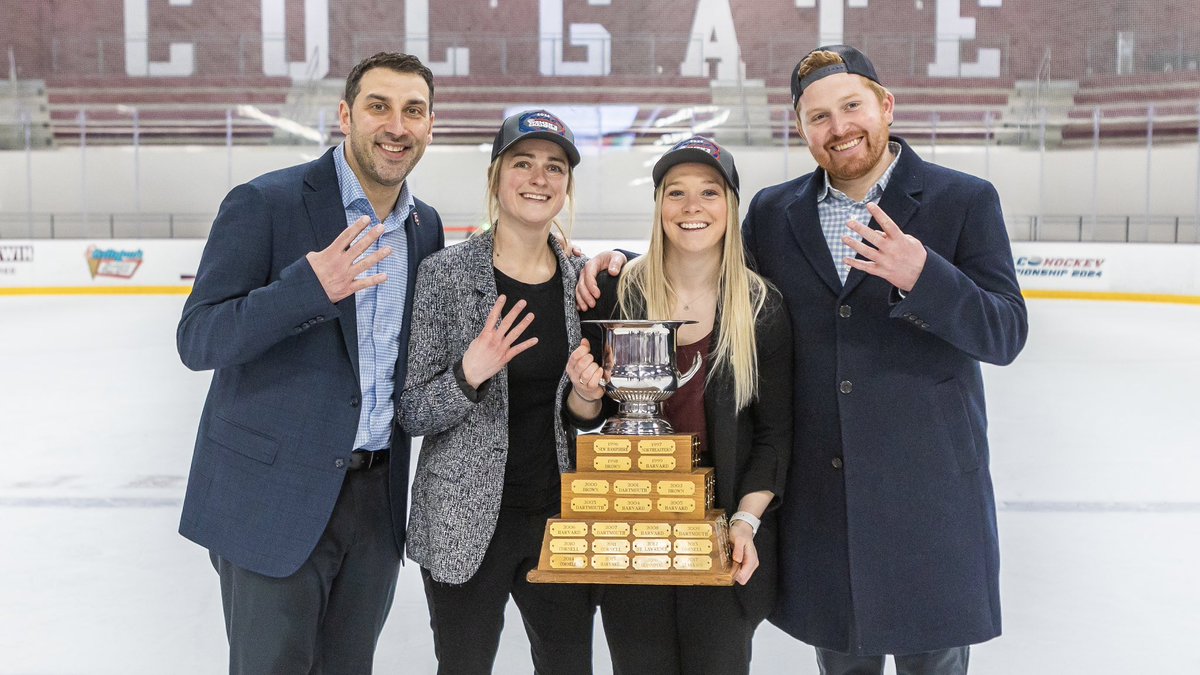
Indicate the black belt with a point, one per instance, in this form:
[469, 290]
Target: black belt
[361, 460]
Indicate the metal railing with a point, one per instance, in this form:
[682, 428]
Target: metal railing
[1157, 229]
[1160, 228]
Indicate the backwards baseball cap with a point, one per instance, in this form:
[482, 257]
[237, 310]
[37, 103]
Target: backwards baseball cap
[700, 150]
[854, 62]
[535, 124]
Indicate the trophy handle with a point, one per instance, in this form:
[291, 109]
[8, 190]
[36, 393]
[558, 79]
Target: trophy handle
[685, 377]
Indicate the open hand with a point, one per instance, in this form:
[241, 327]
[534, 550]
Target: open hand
[493, 348]
[336, 267]
[897, 258]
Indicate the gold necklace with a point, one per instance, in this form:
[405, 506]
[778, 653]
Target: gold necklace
[687, 304]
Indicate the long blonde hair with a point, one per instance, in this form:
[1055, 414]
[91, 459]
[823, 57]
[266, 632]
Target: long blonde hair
[492, 199]
[644, 287]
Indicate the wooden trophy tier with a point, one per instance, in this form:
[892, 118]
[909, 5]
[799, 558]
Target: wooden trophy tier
[639, 511]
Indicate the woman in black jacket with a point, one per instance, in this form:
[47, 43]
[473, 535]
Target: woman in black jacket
[739, 403]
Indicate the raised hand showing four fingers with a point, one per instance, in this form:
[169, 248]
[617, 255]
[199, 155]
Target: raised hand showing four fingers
[898, 258]
[493, 348]
[338, 266]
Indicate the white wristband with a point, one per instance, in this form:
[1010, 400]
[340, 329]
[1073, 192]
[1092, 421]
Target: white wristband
[749, 518]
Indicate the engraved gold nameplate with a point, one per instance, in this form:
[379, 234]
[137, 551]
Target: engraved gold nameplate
[590, 487]
[568, 562]
[656, 446]
[631, 505]
[561, 529]
[693, 530]
[684, 449]
[651, 529]
[693, 546]
[675, 488]
[610, 546]
[651, 546]
[612, 464]
[676, 504]
[691, 562]
[656, 463]
[610, 562]
[631, 487]
[610, 529]
[589, 504]
[611, 446]
[568, 546]
[651, 562]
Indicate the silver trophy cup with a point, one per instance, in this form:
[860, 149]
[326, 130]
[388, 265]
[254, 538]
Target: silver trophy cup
[640, 367]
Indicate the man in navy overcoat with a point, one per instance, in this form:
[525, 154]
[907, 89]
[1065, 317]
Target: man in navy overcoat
[900, 281]
[299, 479]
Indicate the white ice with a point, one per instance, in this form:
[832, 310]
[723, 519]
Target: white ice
[1094, 455]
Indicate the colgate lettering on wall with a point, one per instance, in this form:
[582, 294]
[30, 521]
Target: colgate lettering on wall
[713, 50]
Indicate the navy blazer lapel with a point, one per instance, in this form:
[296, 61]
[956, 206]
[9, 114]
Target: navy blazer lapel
[416, 249]
[805, 225]
[899, 201]
[327, 215]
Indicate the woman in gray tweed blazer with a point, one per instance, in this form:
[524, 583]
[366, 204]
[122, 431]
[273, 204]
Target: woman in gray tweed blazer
[494, 321]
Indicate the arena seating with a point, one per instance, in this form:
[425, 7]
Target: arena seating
[1124, 105]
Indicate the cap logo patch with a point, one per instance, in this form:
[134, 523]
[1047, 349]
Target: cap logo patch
[698, 143]
[541, 121]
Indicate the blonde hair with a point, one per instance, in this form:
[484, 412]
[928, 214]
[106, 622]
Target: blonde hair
[821, 58]
[492, 199]
[740, 296]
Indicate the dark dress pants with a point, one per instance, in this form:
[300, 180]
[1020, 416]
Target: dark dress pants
[326, 618]
[668, 630]
[951, 661]
[467, 618]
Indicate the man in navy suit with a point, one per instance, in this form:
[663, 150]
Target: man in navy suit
[900, 281]
[301, 307]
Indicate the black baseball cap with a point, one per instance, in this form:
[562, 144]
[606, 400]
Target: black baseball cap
[535, 124]
[703, 151]
[854, 62]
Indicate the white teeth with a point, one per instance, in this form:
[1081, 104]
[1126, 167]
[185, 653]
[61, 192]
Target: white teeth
[692, 226]
[847, 145]
[392, 148]
[540, 198]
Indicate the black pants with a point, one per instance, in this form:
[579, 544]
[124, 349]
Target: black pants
[325, 618]
[467, 618]
[669, 630]
[951, 661]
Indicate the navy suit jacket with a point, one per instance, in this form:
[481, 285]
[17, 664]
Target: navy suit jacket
[889, 517]
[279, 423]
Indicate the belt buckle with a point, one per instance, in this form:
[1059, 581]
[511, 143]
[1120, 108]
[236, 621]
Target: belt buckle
[363, 460]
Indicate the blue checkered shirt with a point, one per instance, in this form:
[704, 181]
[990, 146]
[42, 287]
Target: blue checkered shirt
[379, 310]
[835, 209]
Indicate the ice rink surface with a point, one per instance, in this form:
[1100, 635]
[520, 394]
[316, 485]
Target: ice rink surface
[1094, 451]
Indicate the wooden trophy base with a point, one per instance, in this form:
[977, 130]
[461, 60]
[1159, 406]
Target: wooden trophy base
[638, 552]
[639, 511]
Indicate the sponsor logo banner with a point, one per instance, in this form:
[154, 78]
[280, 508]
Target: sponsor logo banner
[116, 263]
